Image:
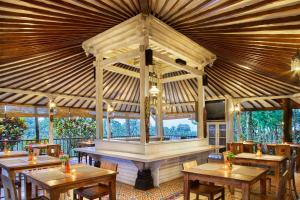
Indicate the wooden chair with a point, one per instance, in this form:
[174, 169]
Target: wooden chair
[248, 147]
[292, 171]
[235, 147]
[204, 190]
[53, 150]
[36, 151]
[10, 191]
[99, 190]
[283, 150]
[281, 192]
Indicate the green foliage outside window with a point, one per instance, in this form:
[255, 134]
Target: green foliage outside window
[262, 126]
[75, 128]
[11, 129]
[296, 126]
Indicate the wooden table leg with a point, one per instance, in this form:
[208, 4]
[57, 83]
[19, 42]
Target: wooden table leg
[263, 184]
[245, 191]
[78, 157]
[186, 189]
[113, 190]
[27, 189]
[277, 176]
[54, 195]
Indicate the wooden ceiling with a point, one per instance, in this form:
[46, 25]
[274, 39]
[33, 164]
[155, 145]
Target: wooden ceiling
[254, 40]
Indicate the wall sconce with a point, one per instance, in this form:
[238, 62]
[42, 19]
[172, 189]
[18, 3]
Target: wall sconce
[237, 108]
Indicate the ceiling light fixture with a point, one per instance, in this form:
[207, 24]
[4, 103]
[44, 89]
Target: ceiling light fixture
[295, 62]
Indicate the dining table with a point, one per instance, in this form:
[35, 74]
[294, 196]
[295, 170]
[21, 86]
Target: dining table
[18, 164]
[56, 181]
[215, 173]
[80, 155]
[12, 154]
[275, 162]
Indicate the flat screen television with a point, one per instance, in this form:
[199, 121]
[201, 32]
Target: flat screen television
[215, 110]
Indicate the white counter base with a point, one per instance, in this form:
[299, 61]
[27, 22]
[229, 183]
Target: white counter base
[165, 166]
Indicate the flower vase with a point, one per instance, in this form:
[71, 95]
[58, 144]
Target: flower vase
[67, 167]
[30, 156]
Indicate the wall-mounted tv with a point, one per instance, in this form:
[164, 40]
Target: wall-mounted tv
[215, 110]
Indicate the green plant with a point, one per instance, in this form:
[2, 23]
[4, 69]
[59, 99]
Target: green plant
[230, 156]
[12, 129]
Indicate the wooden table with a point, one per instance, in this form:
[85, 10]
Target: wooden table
[80, 154]
[275, 162]
[18, 164]
[55, 181]
[239, 177]
[12, 154]
[38, 146]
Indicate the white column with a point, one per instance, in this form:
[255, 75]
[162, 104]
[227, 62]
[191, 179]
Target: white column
[144, 90]
[159, 114]
[99, 98]
[201, 105]
[144, 74]
[229, 117]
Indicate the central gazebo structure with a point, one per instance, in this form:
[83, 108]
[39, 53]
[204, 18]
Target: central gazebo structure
[153, 49]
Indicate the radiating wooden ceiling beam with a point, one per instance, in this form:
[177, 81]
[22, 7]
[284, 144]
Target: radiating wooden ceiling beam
[178, 78]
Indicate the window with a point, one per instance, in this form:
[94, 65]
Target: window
[296, 125]
[180, 128]
[262, 126]
[125, 127]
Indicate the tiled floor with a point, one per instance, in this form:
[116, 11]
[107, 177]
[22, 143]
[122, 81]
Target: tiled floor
[172, 190]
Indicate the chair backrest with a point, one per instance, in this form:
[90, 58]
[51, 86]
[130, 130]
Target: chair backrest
[281, 193]
[248, 147]
[189, 164]
[215, 158]
[109, 165]
[292, 166]
[9, 188]
[36, 151]
[236, 147]
[283, 150]
[53, 150]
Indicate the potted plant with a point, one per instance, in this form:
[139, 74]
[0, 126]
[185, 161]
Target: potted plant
[65, 162]
[228, 158]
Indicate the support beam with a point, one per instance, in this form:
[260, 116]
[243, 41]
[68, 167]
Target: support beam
[229, 107]
[172, 62]
[122, 57]
[297, 95]
[159, 113]
[45, 94]
[287, 119]
[99, 98]
[144, 88]
[201, 105]
[178, 78]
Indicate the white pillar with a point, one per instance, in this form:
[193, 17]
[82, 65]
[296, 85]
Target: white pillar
[144, 90]
[229, 117]
[99, 98]
[201, 105]
[159, 114]
[144, 75]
